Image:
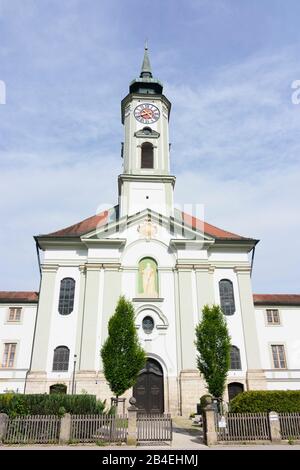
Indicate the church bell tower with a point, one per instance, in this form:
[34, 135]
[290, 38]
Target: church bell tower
[146, 181]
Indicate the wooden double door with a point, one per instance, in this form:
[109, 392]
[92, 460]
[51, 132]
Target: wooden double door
[149, 388]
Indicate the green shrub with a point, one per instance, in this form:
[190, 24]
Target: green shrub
[259, 401]
[54, 404]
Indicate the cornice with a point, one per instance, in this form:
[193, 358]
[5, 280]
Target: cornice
[49, 268]
[105, 242]
[146, 178]
[242, 269]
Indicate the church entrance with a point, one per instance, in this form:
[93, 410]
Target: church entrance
[149, 388]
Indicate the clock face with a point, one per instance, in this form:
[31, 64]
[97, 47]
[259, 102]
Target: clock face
[146, 113]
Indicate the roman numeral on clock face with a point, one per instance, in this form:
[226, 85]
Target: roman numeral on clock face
[146, 113]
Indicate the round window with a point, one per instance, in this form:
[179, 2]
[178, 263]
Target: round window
[148, 325]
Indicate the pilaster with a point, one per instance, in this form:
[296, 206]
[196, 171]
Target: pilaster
[45, 307]
[205, 286]
[255, 375]
[111, 294]
[90, 317]
[186, 309]
[79, 331]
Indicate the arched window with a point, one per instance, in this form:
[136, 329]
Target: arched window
[148, 278]
[147, 130]
[148, 324]
[234, 389]
[147, 160]
[227, 297]
[66, 296]
[61, 358]
[235, 358]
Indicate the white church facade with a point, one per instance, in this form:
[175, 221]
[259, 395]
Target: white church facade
[169, 264]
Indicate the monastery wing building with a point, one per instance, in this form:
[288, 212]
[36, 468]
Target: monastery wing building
[169, 264]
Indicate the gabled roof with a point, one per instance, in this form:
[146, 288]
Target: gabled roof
[18, 297]
[276, 299]
[91, 223]
[211, 230]
[82, 227]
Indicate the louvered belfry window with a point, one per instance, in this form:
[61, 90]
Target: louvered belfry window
[66, 296]
[147, 160]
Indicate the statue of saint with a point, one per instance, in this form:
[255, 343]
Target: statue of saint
[148, 277]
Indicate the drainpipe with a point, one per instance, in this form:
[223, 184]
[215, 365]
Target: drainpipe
[36, 316]
[252, 260]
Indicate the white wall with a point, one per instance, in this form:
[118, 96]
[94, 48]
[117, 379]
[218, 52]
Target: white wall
[234, 322]
[288, 334]
[63, 327]
[22, 334]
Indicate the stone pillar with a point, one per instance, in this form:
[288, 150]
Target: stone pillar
[90, 319]
[209, 425]
[3, 425]
[255, 377]
[205, 286]
[45, 307]
[132, 424]
[65, 429]
[274, 426]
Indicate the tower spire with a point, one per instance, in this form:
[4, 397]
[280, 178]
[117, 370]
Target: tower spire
[146, 66]
[145, 83]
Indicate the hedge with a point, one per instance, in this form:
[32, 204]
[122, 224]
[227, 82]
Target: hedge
[260, 401]
[54, 404]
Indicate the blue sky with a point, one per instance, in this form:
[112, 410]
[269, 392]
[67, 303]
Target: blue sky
[227, 66]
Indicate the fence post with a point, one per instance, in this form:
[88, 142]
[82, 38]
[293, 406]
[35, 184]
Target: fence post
[209, 429]
[65, 429]
[274, 426]
[132, 424]
[3, 425]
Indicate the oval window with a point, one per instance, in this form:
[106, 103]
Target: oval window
[148, 325]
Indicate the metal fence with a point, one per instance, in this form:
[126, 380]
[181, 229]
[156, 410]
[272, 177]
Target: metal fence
[244, 427]
[93, 428]
[154, 427]
[289, 425]
[41, 429]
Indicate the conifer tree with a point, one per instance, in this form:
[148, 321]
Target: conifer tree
[122, 355]
[213, 346]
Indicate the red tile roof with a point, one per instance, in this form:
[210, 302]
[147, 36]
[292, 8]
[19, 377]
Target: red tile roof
[209, 229]
[18, 297]
[91, 223]
[82, 227]
[276, 299]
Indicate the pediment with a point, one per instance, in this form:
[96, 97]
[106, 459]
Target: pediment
[147, 132]
[147, 223]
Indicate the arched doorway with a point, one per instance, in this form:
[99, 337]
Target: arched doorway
[234, 389]
[149, 388]
[58, 388]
